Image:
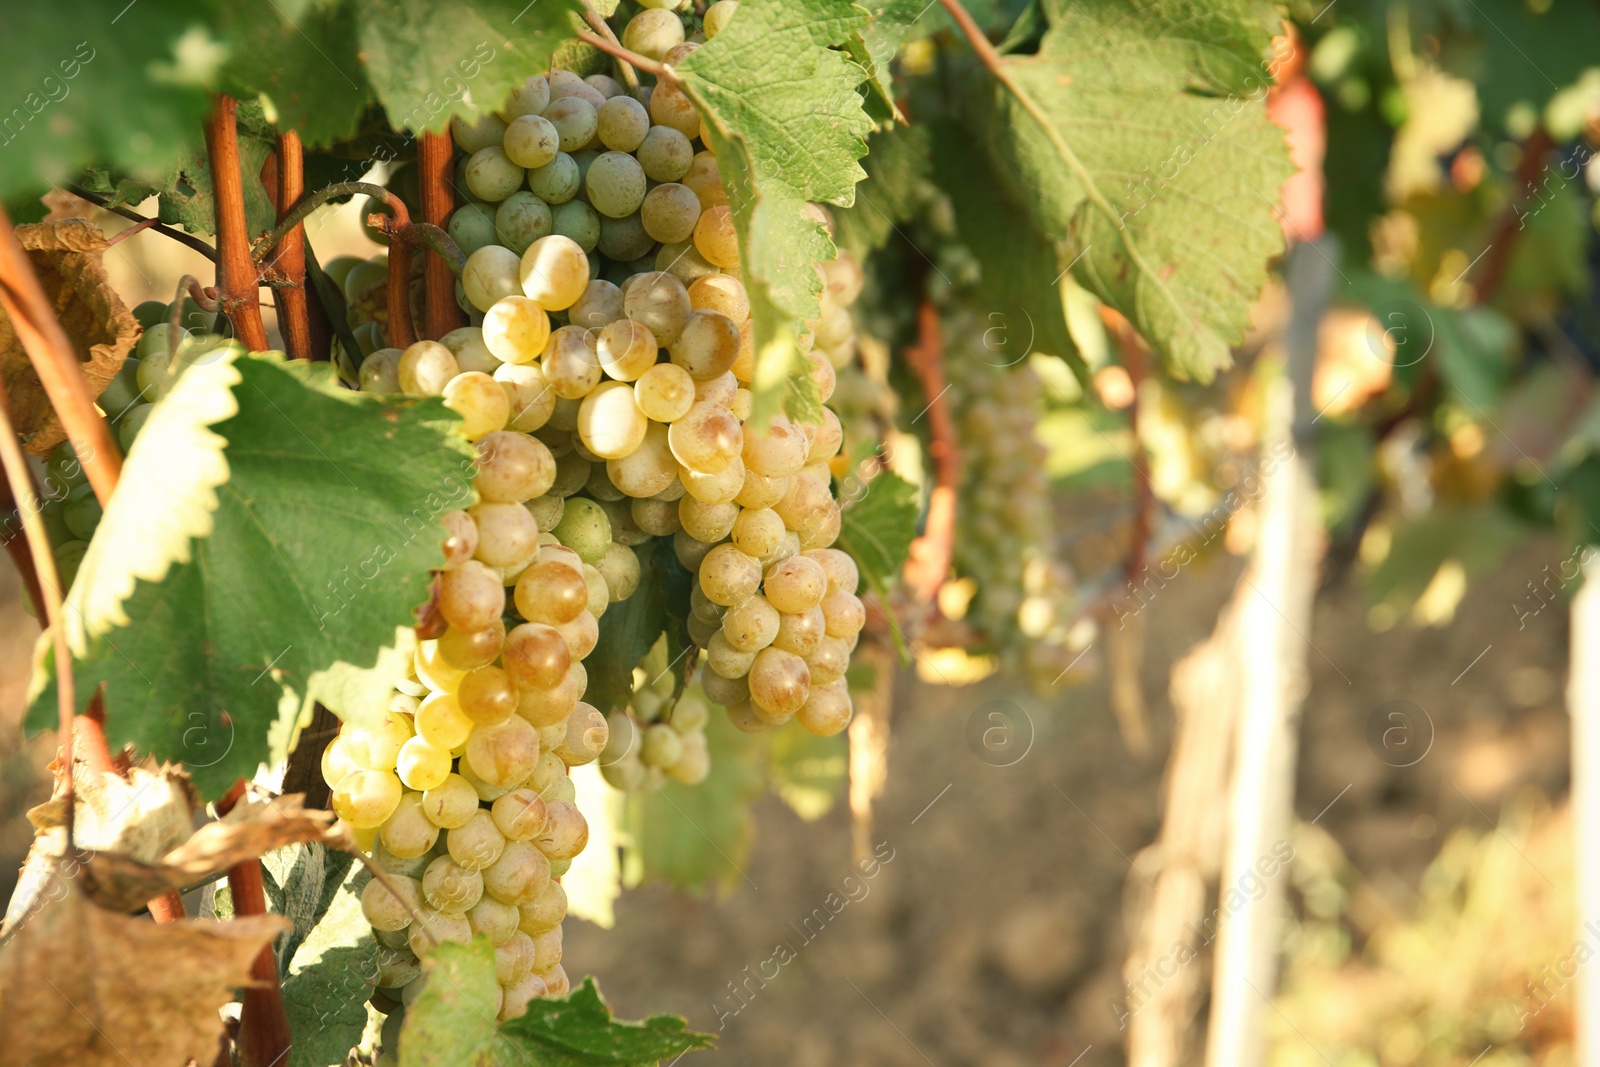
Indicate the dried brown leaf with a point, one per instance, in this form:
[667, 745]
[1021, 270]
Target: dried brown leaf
[252, 828]
[94, 988]
[67, 257]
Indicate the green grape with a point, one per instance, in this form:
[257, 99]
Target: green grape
[652, 32]
[717, 17]
[451, 803]
[721, 292]
[408, 833]
[495, 920]
[585, 529]
[472, 227]
[624, 239]
[571, 364]
[545, 913]
[425, 368]
[616, 185]
[557, 181]
[384, 909]
[577, 220]
[565, 833]
[622, 124]
[780, 683]
[364, 798]
[664, 392]
[519, 876]
[502, 753]
[706, 347]
[122, 392]
[521, 219]
[659, 302]
[81, 512]
[715, 237]
[529, 98]
[669, 213]
[610, 423]
[665, 154]
[707, 439]
[620, 568]
[449, 886]
[531, 141]
[513, 467]
[683, 262]
[473, 137]
[519, 815]
[476, 844]
[827, 710]
[554, 272]
[491, 273]
[672, 109]
[471, 596]
[491, 175]
[487, 695]
[705, 178]
[575, 120]
[750, 625]
[528, 391]
[479, 400]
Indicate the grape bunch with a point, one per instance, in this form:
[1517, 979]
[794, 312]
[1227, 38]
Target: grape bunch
[653, 739]
[1018, 593]
[603, 382]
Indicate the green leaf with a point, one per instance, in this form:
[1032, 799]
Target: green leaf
[782, 110]
[894, 189]
[692, 837]
[1471, 539]
[628, 630]
[452, 1021]
[187, 197]
[331, 974]
[361, 694]
[84, 82]
[301, 883]
[1156, 165]
[879, 526]
[431, 62]
[578, 1031]
[323, 526]
[1019, 287]
[305, 61]
[808, 771]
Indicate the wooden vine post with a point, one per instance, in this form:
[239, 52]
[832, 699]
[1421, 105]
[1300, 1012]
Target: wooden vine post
[1274, 621]
[1583, 703]
[436, 160]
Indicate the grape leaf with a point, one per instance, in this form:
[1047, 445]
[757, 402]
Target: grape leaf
[628, 630]
[1156, 165]
[301, 882]
[893, 190]
[579, 1031]
[1018, 289]
[83, 82]
[321, 536]
[431, 62]
[331, 973]
[306, 62]
[879, 526]
[692, 837]
[186, 193]
[452, 1021]
[76, 974]
[783, 115]
[807, 771]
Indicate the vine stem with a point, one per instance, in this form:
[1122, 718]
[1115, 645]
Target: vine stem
[53, 359]
[105, 204]
[138, 227]
[264, 1036]
[435, 161]
[633, 59]
[294, 313]
[630, 78]
[428, 236]
[44, 563]
[929, 561]
[303, 207]
[237, 278]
